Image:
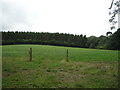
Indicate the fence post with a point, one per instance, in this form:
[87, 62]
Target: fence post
[67, 55]
[30, 54]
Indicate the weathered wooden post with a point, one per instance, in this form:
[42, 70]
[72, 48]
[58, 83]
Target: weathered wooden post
[67, 55]
[30, 54]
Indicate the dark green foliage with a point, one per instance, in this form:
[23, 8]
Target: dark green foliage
[105, 42]
[92, 42]
[60, 39]
[114, 41]
[102, 42]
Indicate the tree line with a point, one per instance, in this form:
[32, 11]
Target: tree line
[62, 39]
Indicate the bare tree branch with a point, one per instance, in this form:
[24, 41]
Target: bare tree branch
[111, 4]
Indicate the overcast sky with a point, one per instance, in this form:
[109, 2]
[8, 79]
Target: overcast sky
[87, 17]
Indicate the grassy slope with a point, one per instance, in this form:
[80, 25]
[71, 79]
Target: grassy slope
[86, 67]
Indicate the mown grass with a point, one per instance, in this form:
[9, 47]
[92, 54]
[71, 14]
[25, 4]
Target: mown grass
[87, 68]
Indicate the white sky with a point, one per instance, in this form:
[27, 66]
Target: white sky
[87, 17]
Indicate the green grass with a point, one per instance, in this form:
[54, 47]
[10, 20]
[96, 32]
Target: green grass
[87, 68]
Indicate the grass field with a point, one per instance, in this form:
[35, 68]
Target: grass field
[87, 68]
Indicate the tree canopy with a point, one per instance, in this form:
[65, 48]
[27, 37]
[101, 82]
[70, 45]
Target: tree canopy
[61, 39]
[114, 10]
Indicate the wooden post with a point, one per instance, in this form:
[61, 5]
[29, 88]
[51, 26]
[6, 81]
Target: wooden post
[30, 54]
[67, 55]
